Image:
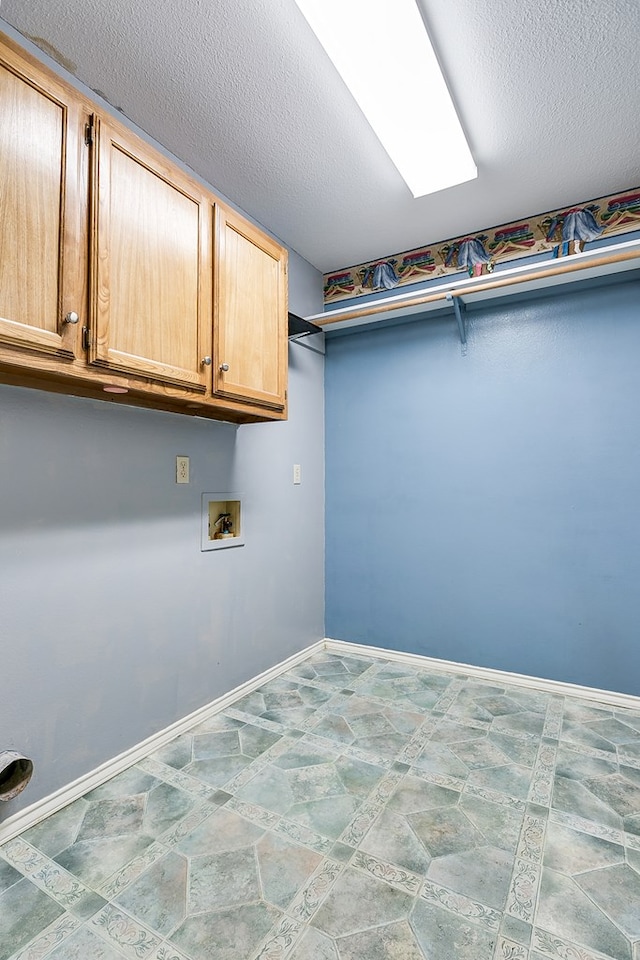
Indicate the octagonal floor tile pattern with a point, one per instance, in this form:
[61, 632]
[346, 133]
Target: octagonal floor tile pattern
[353, 808]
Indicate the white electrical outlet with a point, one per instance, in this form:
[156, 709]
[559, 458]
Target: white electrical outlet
[182, 469]
[297, 473]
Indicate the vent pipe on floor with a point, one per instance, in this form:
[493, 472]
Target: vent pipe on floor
[15, 773]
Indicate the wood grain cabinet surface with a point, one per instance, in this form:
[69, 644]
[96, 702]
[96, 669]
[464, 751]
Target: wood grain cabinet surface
[119, 270]
[41, 211]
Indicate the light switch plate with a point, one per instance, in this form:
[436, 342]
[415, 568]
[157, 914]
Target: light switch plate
[297, 473]
[182, 469]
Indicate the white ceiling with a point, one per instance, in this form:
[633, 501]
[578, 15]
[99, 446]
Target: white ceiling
[548, 92]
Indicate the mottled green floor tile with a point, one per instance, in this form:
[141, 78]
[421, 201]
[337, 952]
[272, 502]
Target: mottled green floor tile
[315, 946]
[499, 825]
[254, 741]
[387, 745]
[125, 784]
[221, 880]
[371, 725]
[358, 901]
[24, 912]
[511, 779]
[335, 728]
[217, 723]
[445, 831]
[165, 805]
[112, 818]
[304, 754]
[283, 868]
[564, 910]
[270, 788]
[522, 752]
[216, 772]
[615, 731]
[581, 735]
[578, 766]
[616, 890]
[471, 710]
[482, 874]
[571, 852]
[499, 705]
[618, 792]
[94, 861]
[381, 943]
[531, 723]
[178, 753]
[341, 852]
[223, 830]
[517, 930]
[227, 934]
[328, 817]
[358, 776]
[314, 783]
[414, 795]
[480, 753]
[451, 732]
[209, 746]
[534, 701]
[574, 798]
[288, 717]
[439, 758]
[87, 906]
[85, 945]
[632, 825]
[58, 831]
[158, 898]
[392, 840]
[583, 712]
[8, 876]
[441, 935]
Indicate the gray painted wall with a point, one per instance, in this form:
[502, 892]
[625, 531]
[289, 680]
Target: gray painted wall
[482, 507]
[113, 623]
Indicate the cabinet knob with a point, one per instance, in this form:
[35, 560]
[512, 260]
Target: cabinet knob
[224, 367]
[71, 317]
[206, 361]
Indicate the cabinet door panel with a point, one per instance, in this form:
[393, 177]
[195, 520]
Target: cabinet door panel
[149, 275]
[251, 315]
[34, 200]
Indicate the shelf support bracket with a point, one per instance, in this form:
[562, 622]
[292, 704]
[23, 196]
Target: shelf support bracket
[458, 308]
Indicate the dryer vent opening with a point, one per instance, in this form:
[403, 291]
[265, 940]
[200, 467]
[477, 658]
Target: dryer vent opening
[15, 773]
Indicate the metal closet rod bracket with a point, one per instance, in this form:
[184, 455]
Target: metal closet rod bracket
[458, 308]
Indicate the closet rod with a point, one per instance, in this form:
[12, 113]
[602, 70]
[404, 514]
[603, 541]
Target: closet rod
[418, 300]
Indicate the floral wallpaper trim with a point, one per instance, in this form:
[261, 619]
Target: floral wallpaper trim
[561, 233]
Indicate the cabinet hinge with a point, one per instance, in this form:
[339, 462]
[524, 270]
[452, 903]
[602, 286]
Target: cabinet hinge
[89, 132]
[86, 338]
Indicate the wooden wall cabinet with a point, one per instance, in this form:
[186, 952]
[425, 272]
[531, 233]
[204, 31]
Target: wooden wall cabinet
[42, 273]
[250, 313]
[117, 269]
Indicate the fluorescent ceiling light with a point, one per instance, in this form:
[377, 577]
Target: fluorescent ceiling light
[384, 55]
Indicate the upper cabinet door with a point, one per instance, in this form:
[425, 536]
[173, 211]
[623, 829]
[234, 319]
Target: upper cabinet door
[43, 232]
[250, 320]
[150, 264]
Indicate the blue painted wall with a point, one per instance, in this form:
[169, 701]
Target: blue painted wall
[483, 508]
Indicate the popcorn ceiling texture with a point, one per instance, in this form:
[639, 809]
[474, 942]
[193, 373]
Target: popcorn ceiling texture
[244, 95]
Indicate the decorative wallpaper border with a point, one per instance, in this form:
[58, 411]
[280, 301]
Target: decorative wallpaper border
[561, 233]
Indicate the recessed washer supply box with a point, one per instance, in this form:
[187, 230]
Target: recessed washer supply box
[221, 521]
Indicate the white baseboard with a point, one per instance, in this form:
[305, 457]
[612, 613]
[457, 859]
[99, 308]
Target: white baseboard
[559, 687]
[43, 808]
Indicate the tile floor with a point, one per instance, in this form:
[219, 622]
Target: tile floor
[351, 809]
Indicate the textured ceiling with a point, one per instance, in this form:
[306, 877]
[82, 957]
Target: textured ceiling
[548, 93]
